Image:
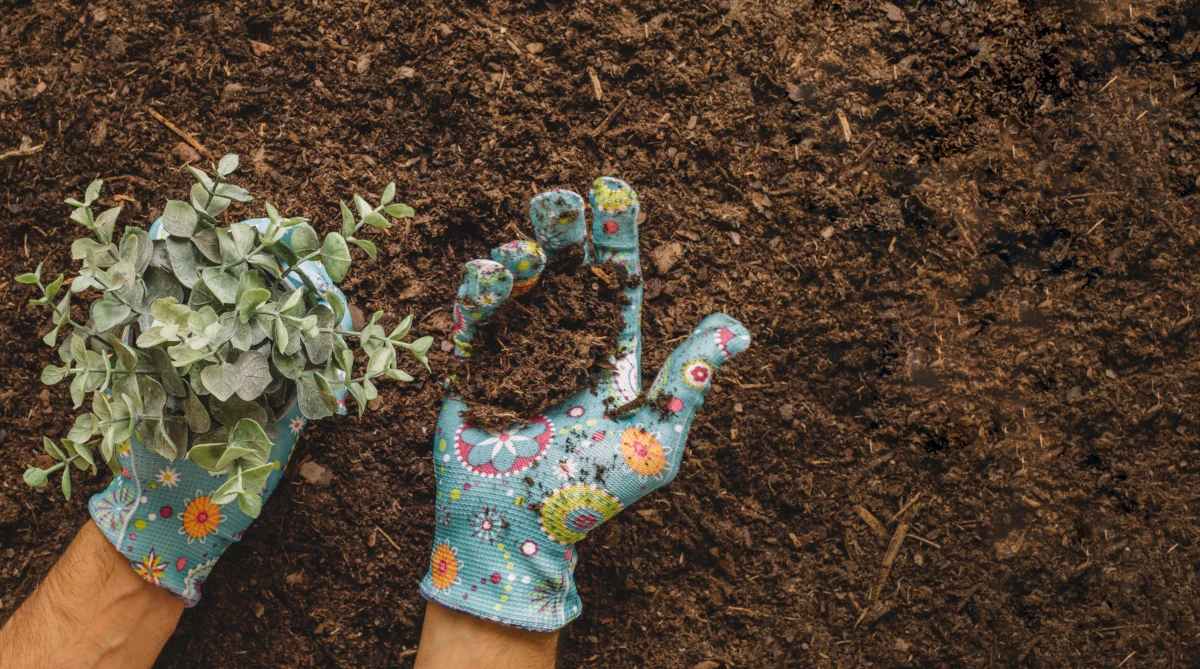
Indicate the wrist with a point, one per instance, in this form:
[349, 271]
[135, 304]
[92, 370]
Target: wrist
[453, 639]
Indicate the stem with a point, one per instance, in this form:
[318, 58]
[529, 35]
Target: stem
[213, 193]
[288, 271]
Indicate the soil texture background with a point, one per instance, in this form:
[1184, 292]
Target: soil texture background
[963, 234]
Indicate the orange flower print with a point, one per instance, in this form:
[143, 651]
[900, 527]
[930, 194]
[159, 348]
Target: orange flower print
[445, 567]
[151, 567]
[200, 518]
[643, 452]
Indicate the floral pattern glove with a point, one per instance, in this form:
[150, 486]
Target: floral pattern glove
[511, 506]
[159, 513]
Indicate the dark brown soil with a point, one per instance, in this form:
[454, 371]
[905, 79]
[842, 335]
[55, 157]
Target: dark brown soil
[963, 235]
[540, 347]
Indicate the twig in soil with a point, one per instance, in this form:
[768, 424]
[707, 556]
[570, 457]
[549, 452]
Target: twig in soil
[175, 129]
[1093, 227]
[20, 153]
[924, 540]
[385, 536]
[1129, 656]
[608, 121]
[904, 508]
[596, 87]
[871, 521]
[845, 124]
[1110, 83]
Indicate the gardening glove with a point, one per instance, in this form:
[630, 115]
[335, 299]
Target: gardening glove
[159, 513]
[512, 505]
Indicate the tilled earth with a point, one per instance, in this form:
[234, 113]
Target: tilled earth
[963, 234]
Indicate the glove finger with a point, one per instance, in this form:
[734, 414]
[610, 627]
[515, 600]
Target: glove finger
[525, 260]
[486, 284]
[558, 221]
[687, 374]
[615, 212]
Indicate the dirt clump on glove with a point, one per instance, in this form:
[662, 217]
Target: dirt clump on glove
[540, 347]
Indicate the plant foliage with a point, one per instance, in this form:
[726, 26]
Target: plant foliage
[196, 341]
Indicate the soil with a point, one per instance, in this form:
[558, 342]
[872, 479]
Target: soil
[540, 347]
[963, 235]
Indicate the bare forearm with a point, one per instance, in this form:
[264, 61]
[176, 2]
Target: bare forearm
[452, 639]
[92, 611]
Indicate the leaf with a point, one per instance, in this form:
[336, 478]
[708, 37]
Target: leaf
[365, 245]
[201, 176]
[52, 374]
[290, 366]
[244, 238]
[222, 380]
[389, 193]
[281, 335]
[66, 482]
[250, 504]
[211, 205]
[207, 455]
[185, 261]
[399, 375]
[92, 192]
[376, 220]
[35, 477]
[336, 256]
[378, 363]
[229, 412]
[179, 219]
[228, 164]
[320, 346]
[347, 219]
[255, 478]
[256, 375]
[108, 313]
[249, 434]
[206, 242]
[421, 345]
[105, 222]
[334, 298]
[52, 449]
[160, 284]
[303, 240]
[315, 397]
[402, 329]
[84, 429]
[222, 283]
[27, 278]
[232, 192]
[399, 210]
[195, 414]
[362, 205]
[360, 399]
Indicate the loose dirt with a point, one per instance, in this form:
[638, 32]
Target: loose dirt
[963, 234]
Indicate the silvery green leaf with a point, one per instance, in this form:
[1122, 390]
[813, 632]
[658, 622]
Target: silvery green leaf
[347, 219]
[95, 375]
[399, 375]
[81, 449]
[362, 205]
[160, 284]
[126, 357]
[201, 177]
[295, 341]
[256, 375]
[290, 366]
[244, 238]
[228, 164]
[222, 283]
[82, 216]
[229, 412]
[104, 224]
[380, 359]
[389, 193]
[337, 304]
[183, 355]
[250, 503]
[35, 478]
[206, 241]
[365, 245]
[281, 335]
[243, 334]
[249, 434]
[320, 346]
[265, 261]
[207, 455]
[402, 329]
[421, 345]
[376, 220]
[336, 256]
[66, 482]
[315, 397]
[80, 248]
[229, 490]
[360, 398]
[179, 219]
[108, 313]
[159, 257]
[233, 452]
[222, 380]
[154, 397]
[232, 192]
[167, 373]
[195, 414]
[399, 210]
[369, 390]
[185, 261]
[92, 192]
[303, 240]
[52, 374]
[202, 201]
[52, 449]
[255, 478]
[201, 296]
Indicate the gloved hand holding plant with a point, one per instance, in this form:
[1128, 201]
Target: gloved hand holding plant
[513, 504]
[207, 350]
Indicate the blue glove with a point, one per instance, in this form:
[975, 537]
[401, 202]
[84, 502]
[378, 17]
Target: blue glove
[512, 505]
[159, 513]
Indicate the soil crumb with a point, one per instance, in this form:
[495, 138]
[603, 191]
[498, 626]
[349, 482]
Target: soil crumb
[541, 347]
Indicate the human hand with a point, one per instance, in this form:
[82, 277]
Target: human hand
[512, 505]
[160, 513]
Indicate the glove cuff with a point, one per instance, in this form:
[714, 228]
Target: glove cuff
[483, 580]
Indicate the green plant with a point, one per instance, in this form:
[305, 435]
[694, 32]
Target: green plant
[197, 338]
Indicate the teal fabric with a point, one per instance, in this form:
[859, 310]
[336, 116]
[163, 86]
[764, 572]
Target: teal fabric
[511, 506]
[159, 513]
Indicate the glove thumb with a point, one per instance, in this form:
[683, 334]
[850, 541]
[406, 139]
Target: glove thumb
[687, 374]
